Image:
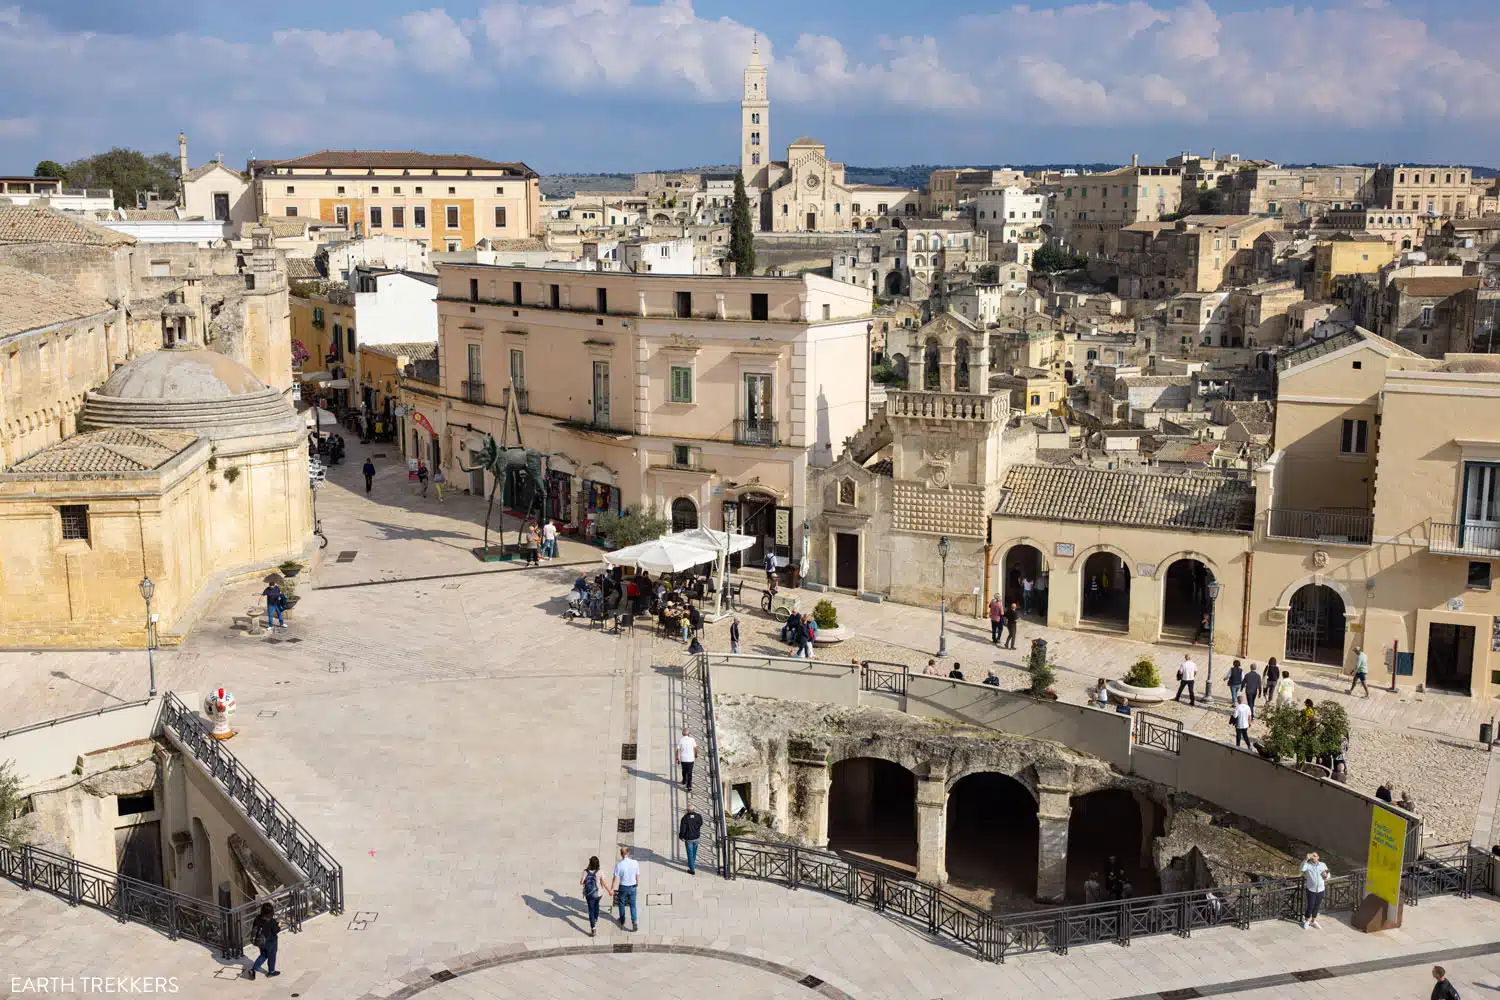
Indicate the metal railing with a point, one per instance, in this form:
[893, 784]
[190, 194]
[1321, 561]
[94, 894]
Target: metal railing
[698, 714]
[876, 675]
[473, 392]
[1158, 733]
[1463, 539]
[756, 432]
[522, 399]
[1320, 526]
[131, 899]
[1454, 869]
[300, 848]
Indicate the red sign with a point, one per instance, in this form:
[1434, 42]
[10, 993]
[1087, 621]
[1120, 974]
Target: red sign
[422, 422]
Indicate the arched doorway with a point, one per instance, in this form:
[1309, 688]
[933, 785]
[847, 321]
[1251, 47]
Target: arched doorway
[1022, 563]
[1112, 823]
[684, 514]
[992, 840]
[932, 361]
[893, 284]
[758, 520]
[1105, 600]
[961, 366]
[872, 810]
[1315, 625]
[1184, 600]
[898, 365]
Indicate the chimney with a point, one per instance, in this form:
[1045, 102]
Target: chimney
[182, 165]
[1214, 153]
[1135, 159]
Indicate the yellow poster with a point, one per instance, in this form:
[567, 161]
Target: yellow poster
[1387, 855]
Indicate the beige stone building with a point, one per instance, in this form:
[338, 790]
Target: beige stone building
[448, 201]
[1346, 254]
[710, 398]
[1092, 208]
[1198, 253]
[1299, 192]
[1431, 191]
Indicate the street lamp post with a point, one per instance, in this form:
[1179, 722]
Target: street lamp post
[1213, 600]
[147, 590]
[943, 603]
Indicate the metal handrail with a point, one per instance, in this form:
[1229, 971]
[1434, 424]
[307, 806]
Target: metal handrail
[74, 717]
[299, 847]
[871, 678]
[1319, 525]
[716, 789]
[1158, 733]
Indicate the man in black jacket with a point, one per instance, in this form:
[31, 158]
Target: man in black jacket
[1252, 687]
[1236, 681]
[687, 832]
[1442, 989]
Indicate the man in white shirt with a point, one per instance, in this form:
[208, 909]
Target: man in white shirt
[687, 752]
[627, 877]
[549, 540]
[1314, 884]
[1186, 675]
[1239, 717]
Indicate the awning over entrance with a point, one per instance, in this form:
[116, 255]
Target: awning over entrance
[313, 376]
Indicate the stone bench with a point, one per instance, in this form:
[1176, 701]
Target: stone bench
[253, 622]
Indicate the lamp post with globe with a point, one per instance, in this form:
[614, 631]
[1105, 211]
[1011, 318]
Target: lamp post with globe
[148, 589]
[943, 602]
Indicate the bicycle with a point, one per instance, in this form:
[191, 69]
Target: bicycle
[318, 531]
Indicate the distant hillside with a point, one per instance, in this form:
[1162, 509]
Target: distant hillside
[564, 185]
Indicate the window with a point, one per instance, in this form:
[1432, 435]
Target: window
[755, 118]
[1358, 365]
[665, 251]
[848, 492]
[317, 315]
[684, 303]
[499, 190]
[760, 305]
[396, 189]
[682, 384]
[755, 161]
[1427, 315]
[827, 314]
[75, 522]
[515, 292]
[1481, 502]
[499, 216]
[554, 296]
[1036, 399]
[419, 216]
[475, 356]
[682, 456]
[375, 189]
[375, 217]
[419, 189]
[452, 216]
[336, 346]
[755, 138]
[341, 189]
[398, 218]
[291, 211]
[452, 246]
[1479, 576]
[290, 189]
[1355, 438]
[349, 335]
[341, 214]
[453, 191]
[473, 289]
[134, 805]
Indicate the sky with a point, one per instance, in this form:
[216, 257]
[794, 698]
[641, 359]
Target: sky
[626, 85]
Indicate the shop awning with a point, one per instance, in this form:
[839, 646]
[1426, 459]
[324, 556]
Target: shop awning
[313, 376]
[338, 383]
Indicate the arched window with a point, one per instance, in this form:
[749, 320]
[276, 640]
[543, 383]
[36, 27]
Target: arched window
[932, 359]
[961, 366]
[920, 244]
[684, 514]
[920, 261]
[847, 492]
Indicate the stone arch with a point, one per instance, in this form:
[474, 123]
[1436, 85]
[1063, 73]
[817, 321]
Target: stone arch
[1082, 557]
[1285, 600]
[919, 261]
[1184, 578]
[600, 473]
[1213, 567]
[684, 514]
[1025, 776]
[563, 463]
[1104, 595]
[872, 805]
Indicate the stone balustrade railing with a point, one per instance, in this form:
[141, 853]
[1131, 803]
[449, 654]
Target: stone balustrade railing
[948, 405]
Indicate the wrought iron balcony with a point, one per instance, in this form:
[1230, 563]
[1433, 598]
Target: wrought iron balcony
[522, 398]
[756, 432]
[474, 392]
[1338, 527]
[1463, 539]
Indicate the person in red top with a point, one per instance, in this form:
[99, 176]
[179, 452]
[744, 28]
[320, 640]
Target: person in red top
[997, 618]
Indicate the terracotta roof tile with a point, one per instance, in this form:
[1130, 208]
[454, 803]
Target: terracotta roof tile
[115, 450]
[1194, 502]
[30, 301]
[398, 159]
[29, 224]
[422, 350]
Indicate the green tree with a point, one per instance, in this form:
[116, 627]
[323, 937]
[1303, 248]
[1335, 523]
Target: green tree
[741, 229]
[127, 171]
[10, 800]
[1051, 257]
[50, 168]
[633, 527]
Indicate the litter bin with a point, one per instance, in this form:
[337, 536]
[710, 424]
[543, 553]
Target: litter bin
[1486, 732]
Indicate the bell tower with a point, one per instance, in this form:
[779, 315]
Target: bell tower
[755, 121]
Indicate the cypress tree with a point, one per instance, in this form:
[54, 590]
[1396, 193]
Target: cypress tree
[741, 230]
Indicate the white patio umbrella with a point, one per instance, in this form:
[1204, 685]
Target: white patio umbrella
[723, 544]
[668, 554]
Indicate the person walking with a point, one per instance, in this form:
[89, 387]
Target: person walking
[1239, 718]
[1236, 682]
[997, 618]
[805, 637]
[422, 475]
[275, 604]
[549, 539]
[687, 832]
[264, 932]
[1314, 882]
[1039, 595]
[1012, 616]
[1026, 594]
[1286, 691]
[369, 471]
[770, 563]
[439, 480]
[687, 753]
[1442, 989]
[593, 891]
[1252, 687]
[1273, 676]
[1187, 675]
[1361, 671]
[734, 635]
[627, 880]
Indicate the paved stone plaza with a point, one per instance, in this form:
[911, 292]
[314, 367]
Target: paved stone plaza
[455, 744]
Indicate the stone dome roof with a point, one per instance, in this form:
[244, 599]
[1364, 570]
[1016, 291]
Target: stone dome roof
[190, 389]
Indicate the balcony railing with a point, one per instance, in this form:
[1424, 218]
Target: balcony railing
[1463, 539]
[522, 398]
[474, 392]
[756, 432]
[1348, 527]
[948, 405]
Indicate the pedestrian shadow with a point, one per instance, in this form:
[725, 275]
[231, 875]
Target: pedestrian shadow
[401, 533]
[636, 772]
[560, 907]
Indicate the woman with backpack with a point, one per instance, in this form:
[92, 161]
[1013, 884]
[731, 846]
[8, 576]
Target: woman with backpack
[593, 891]
[263, 932]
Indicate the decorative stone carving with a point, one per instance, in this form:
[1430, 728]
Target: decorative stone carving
[939, 461]
[1320, 559]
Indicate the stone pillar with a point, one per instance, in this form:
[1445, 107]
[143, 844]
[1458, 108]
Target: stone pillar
[916, 369]
[1053, 788]
[932, 824]
[979, 371]
[808, 777]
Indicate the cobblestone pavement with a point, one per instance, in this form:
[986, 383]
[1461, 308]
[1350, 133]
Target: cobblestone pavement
[456, 745]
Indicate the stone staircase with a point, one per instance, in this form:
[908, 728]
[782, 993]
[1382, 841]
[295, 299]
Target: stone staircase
[869, 439]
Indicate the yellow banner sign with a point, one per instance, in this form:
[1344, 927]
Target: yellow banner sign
[1387, 856]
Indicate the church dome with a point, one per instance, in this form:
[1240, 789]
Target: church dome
[192, 389]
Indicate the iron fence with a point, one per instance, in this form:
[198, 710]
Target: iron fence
[1354, 528]
[1463, 539]
[1449, 870]
[698, 697]
[756, 432]
[325, 875]
[1157, 732]
[874, 677]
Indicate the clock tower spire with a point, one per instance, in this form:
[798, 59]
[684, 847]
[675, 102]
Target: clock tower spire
[755, 121]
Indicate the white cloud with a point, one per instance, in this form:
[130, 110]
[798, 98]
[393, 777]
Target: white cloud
[437, 43]
[348, 49]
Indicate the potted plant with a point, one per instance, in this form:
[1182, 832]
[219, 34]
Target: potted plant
[290, 569]
[1142, 684]
[1291, 737]
[826, 617]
